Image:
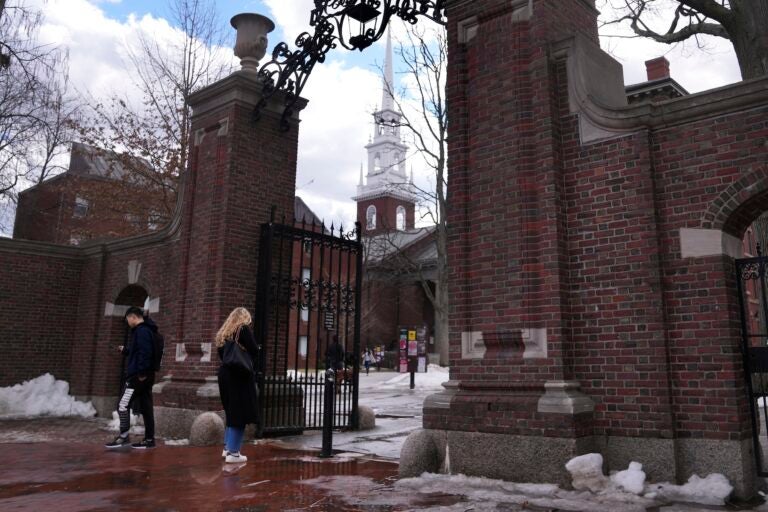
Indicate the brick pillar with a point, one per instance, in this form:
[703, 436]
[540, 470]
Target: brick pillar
[239, 169]
[511, 385]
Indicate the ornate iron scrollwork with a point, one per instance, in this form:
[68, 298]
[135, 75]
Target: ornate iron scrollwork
[288, 70]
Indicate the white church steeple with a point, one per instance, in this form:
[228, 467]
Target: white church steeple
[387, 99]
[387, 173]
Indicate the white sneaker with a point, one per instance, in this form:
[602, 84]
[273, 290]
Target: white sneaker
[223, 453]
[234, 458]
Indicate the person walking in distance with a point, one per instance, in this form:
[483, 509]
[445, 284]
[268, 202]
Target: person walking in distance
[139, 379]
[367, 360]
[237, 384]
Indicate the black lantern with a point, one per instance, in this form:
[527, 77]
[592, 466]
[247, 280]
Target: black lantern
[288, 70]
[362, 12]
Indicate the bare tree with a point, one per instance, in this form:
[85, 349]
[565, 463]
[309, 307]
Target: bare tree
[166, 72]
[743, 22]
[36, 109]
[422, 105]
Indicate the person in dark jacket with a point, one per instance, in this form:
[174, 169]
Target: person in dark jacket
[139, 379]
[237, 388]
[334, 360]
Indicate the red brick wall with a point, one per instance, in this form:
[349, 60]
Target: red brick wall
[38, 312]
[389, 304]
[386, 214]
[583, 240]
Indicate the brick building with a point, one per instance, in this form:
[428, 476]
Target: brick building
[101, 196]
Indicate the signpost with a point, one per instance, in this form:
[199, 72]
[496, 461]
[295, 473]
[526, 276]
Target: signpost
[329, 320]
[413, 351]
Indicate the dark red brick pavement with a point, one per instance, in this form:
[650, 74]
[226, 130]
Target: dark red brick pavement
[61, 466]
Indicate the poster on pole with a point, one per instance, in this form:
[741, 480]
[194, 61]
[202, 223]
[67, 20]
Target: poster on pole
[413, 349]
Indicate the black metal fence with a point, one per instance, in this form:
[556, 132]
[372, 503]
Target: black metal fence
[308, 294]
[751, 283]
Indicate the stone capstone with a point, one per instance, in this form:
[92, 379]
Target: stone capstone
[207, 430]
[418, 455]
[367, 417]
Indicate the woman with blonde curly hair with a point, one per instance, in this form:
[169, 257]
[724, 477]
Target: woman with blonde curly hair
[237, 388]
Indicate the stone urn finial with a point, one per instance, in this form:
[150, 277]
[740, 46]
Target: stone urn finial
[251, 42]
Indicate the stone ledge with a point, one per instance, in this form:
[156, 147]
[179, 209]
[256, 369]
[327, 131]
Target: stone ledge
[564, 397]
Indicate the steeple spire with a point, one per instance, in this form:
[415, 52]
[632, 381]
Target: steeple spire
[387, 100]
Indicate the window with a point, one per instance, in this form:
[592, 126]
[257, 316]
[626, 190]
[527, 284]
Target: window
[377, 162]
[81, 207]
[370, 217]
[303, 346]
[400, 220]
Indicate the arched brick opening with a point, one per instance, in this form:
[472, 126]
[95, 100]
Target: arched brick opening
[132, 295]
[739, 204]
[734, 212]
[117, 334]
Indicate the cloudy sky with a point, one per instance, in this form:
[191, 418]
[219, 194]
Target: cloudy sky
[342, 92]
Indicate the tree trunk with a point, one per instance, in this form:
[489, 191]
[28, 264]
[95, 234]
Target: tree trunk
[441, 286]
[748, 29]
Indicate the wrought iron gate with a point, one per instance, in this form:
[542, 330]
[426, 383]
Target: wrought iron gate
[751, 283]
[308, 294]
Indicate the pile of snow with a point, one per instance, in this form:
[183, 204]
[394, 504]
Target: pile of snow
[712, 490]
[587, 474]
[433, 379]
[42, 396]
[631, 479]
[137, 424]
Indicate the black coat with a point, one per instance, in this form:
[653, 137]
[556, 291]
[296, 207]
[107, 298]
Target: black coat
[237, 390]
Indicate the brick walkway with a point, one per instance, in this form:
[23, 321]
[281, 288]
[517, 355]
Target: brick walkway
[61, 466]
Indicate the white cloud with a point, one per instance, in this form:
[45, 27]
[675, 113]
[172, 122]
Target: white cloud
[292, 17]
[335, 128]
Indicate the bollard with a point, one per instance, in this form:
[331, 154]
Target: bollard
[328, 399]
[413, 380]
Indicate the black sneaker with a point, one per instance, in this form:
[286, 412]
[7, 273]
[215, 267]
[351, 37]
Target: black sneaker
[119, 442]
[147, 443]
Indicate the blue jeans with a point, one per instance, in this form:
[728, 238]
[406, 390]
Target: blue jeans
[233, 439]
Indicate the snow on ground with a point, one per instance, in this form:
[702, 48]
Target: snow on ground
[398, 412]
[432, 379]
[42, 396]
[176, 442]
[587, 474]
[459, 493]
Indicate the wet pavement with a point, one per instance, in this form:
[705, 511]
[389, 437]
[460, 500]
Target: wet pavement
[70, 476]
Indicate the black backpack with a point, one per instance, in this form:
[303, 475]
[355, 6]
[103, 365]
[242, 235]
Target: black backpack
[158, 346]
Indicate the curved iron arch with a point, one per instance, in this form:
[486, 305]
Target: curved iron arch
[288, 71]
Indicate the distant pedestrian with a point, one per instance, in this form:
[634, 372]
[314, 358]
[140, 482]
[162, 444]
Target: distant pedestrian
[237, 386]
[139, 379]
[367, 360]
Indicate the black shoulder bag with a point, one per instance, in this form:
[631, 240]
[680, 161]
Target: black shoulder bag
[235, 357]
